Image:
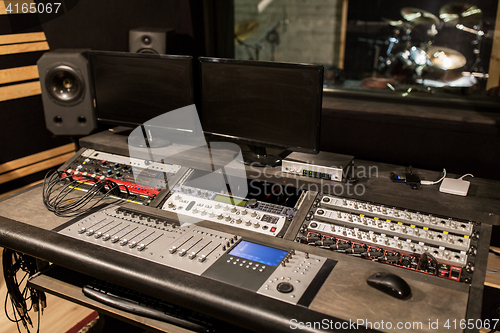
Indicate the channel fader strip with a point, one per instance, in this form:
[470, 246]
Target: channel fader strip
[431, 244]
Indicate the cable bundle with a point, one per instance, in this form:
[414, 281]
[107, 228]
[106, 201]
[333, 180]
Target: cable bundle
[58, 193]
[12, 263]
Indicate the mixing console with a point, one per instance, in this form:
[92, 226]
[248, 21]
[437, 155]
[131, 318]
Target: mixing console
[280, 273]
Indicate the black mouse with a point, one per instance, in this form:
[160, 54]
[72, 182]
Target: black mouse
[390, 284]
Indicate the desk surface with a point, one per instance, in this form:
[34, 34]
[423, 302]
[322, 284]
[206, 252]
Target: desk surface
[344, 295]
[26, 226]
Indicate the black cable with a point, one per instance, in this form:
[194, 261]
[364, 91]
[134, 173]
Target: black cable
[58, 187]
[12, 263]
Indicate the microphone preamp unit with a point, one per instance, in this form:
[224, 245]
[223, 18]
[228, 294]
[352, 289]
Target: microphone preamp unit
[427, 243]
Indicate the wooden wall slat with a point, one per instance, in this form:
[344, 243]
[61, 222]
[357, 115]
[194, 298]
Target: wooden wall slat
[44, 165]
[22, 38]
[18, 74]
[20, 91]
[20, 48]
[2, 8]
[5, 3]
[35, 158]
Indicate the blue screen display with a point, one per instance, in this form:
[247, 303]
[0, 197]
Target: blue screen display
[259, 253]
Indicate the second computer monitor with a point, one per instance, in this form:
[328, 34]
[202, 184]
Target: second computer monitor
[263, 104]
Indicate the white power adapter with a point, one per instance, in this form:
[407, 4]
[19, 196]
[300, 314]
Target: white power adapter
[455, 186]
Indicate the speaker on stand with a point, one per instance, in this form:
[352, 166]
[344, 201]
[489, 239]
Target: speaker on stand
[66, 92]
[151, 40]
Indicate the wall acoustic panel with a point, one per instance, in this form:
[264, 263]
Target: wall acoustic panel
[32, 149]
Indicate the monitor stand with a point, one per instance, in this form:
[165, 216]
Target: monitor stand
[257, 156]
[148, 140]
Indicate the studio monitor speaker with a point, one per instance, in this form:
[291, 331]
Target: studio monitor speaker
[67, 92]
[151, 40]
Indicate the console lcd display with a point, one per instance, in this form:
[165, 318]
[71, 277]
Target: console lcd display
[230, 200]
[260, 253]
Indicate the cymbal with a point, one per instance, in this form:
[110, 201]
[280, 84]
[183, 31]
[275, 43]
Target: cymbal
[445, 58]
[398, 23]
[419, 16]
[461, 13]
[244, 29]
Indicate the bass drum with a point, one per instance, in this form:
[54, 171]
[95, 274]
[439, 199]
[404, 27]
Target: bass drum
[406, 65]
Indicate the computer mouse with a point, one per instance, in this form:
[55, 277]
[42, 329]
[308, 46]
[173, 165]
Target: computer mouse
[390, 284]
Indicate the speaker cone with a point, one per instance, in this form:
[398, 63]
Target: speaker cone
[64, 84]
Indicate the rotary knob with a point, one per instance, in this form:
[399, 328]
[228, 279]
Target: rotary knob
[227, 217]
[284, 287]
[238, 220]
[233, 210]
[254, 214]
[195, 211]
[217, 206]
[248, 223]
[219, 217]
[244, 212]
[253, 203]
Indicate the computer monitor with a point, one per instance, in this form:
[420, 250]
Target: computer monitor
[262, 104]
[132, 88]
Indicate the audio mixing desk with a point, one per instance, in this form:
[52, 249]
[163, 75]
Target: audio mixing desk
[264, 264]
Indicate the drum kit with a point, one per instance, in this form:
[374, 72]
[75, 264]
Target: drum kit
[245, 29]
[426, 63]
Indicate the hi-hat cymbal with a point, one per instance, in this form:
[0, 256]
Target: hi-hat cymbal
[419, 16]
[245, 29]
[445, 58]
[461, 13]
[398, 23]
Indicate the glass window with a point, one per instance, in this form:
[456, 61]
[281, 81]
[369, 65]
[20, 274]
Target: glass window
[428, 50]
